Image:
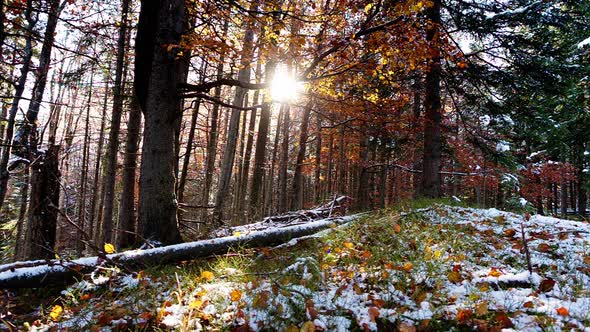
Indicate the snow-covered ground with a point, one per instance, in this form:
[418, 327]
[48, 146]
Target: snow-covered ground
[456, 266]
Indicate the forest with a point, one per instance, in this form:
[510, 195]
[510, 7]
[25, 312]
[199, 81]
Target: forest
[165, 145]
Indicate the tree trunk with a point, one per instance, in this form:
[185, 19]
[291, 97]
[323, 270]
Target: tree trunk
[318, 160]
[127, 215]
[245, 171]
[96, 190]
[84, 173]
[44, 201]
[40, 274]
[229, 153]
[159, 74]
[212, 141]
[188, 151]
[431, 182]
[284, 162]
[297, 188]
[257, 188]
[19, 89]
[106, 232]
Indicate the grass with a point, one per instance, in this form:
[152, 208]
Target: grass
[399, 261]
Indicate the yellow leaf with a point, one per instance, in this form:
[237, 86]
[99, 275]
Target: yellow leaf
[235, 295]
[481, 309]
[207, 275]
[408, 266]
[368, 8]
[437, 254]
[109, 248]
[348, 245]
[237, 233]
[308, 327]
[196, 304]
[56, 312]
[455, 276]
[291, 328]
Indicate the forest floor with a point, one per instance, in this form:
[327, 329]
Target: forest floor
[438, 268]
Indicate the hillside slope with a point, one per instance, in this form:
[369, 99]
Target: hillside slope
[439, 268]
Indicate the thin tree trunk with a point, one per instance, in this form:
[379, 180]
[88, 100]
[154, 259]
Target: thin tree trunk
[245, 170]
[229, 153]
[188, 151]
[297, 188]
[318, 160]
[269, 198]
[127, 215]
[96, 190]
[431, 182]
[257, 189]
[84, 173]
[22, 214]
[113, 142]
[284, 162]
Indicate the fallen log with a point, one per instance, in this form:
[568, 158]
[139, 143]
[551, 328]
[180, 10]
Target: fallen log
[337, 206]
[36, 274]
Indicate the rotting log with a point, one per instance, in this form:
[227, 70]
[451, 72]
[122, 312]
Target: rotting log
[59, 272]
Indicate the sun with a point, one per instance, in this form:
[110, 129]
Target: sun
[284, 88]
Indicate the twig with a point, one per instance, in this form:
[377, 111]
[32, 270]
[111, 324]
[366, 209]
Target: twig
[526, 245]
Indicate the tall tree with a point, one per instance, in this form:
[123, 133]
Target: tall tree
[113, 142]
[159, 72]
[431, 182]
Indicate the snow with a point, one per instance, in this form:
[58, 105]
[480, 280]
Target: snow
[512, 12]
[502, 146]
[343, 297]
[584, 43]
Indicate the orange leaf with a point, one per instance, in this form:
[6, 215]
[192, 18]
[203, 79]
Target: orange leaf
[408, 266]
[348, 245]
[562, 311]
[544, 247]
[373, 313]
[455, 277]
[397, 228]
[463, 315]
[510, 232]
[235, 295]
[495, 273]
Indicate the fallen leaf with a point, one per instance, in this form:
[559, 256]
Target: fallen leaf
[544, 247]
[463, 315]
[56, 312]
[109, 248]
[374, 313]
[290, 328]
[85, 297]
[495, 273]
[408, 266]
[455, 277]
[235, 295]
[502, 320]
[406, 327]
[348, 245]
[587, 260]
[308, 327]
[397, 228]
[562, 311]
[528, 304]
[207, 275]
[481, 309]
[510, 232]
[546, 285]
